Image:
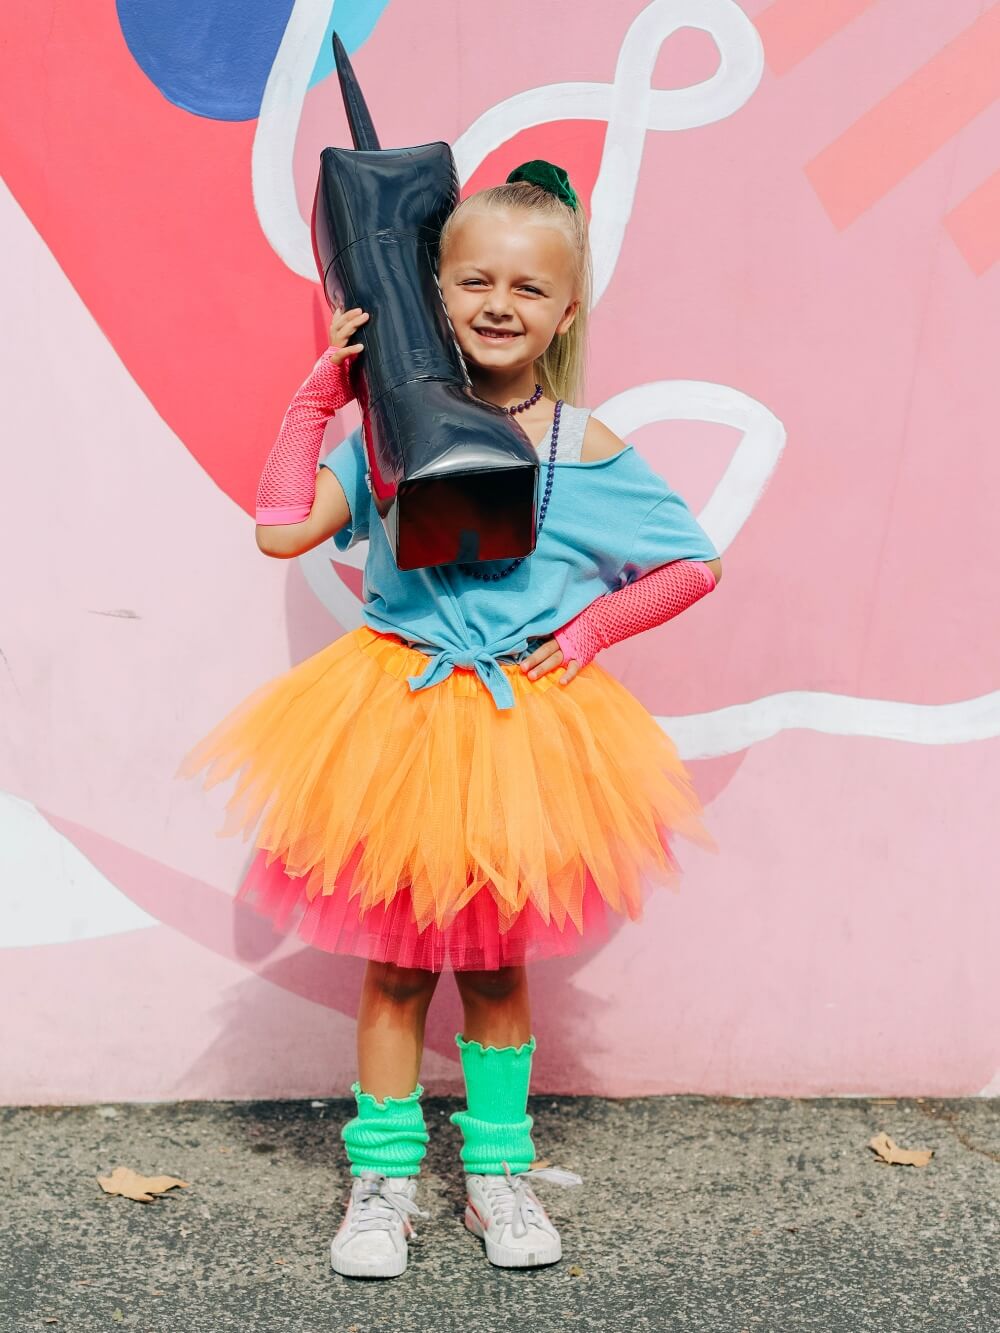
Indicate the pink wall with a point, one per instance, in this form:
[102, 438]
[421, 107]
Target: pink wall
[796, 214]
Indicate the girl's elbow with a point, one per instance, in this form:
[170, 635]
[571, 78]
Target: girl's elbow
[716, 567]
[273, 541]
[263, 539]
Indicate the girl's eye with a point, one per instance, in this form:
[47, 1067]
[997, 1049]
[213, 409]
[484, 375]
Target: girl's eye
[532, 289]
[469, 281]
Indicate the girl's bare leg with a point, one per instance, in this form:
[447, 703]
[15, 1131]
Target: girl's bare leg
[391, 1018]
[496, 1008]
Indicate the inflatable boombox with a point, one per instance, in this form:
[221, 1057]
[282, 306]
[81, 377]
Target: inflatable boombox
[453, 478]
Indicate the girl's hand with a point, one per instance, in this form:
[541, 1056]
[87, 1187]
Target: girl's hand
[343, 326]
[547, 657]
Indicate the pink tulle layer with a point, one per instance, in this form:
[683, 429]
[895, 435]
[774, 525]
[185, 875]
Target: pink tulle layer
[473, 941]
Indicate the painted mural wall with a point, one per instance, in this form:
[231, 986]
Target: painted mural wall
[796, 217]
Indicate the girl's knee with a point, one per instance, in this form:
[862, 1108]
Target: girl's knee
[498, 985]
[400, 985]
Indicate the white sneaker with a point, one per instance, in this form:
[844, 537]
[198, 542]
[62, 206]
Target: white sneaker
[372, 1239]
[505, 1212]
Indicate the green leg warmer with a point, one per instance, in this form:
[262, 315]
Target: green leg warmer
[496, 1127]
[389, 1137]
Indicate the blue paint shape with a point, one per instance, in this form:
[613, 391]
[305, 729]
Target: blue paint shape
[213, 57]
[355, 22]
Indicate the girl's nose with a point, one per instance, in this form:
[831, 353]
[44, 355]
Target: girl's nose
[497, 303]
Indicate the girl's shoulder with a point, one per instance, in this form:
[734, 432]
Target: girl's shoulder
[599, 441]
[582, 438]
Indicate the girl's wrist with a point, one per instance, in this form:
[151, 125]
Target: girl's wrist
[331, 375]
[574, 644]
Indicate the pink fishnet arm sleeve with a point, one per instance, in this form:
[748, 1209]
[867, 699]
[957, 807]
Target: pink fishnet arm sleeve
[287, 486]
[656, 597]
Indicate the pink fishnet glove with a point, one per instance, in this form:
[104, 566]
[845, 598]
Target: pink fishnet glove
[650, 600]
[287, 486]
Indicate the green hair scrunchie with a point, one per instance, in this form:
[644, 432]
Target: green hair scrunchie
[548, 177]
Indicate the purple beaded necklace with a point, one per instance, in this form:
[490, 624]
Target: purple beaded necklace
[509, 569]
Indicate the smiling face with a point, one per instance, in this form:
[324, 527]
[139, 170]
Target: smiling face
[509, 287]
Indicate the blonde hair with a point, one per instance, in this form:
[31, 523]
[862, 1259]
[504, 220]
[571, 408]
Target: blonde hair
[560, 368]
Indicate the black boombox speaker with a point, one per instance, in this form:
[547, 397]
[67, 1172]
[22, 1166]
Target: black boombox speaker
[454, 479]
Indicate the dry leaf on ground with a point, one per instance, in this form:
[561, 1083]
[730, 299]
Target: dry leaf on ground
[889, 1152]
[132, 1185]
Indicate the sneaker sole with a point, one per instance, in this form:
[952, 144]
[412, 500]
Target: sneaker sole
[348, 1267]
[503, 1256]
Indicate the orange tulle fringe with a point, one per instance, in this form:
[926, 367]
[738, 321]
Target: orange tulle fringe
[444, 815]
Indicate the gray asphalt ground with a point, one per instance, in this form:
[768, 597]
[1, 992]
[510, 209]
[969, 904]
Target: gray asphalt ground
[698, 1214]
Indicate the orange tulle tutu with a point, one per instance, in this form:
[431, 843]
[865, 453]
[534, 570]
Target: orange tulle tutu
[432, 829]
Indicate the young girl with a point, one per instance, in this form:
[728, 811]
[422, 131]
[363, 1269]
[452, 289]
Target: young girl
[457, 783]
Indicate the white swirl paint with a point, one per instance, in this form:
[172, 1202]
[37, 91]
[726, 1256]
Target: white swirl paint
[728, 730]
[52, 894]
[273, 153]
[630, 106]
[754, 458]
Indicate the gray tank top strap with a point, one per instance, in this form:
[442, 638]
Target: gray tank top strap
[572, 428]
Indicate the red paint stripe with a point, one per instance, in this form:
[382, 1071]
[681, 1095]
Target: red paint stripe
[794, 29]
[974, 225]
[149, 212]
[898, 134]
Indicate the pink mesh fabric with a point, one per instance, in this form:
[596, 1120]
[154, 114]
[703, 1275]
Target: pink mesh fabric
[287, 485]
[651, 600]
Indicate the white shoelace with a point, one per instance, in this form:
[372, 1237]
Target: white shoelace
[375, 1206]
[510, 1195]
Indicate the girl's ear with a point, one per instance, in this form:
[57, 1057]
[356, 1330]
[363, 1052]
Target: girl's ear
[568, 317]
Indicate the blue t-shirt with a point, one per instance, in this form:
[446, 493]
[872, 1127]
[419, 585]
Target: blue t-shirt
[608, 522]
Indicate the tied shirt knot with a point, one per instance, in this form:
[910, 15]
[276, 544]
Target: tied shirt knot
[480, 660]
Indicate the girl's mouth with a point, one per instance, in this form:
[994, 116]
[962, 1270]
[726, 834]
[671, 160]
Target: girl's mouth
[496, 335]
